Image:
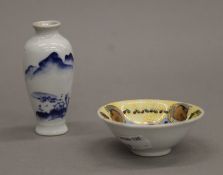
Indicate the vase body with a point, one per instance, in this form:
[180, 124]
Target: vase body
[48, 71]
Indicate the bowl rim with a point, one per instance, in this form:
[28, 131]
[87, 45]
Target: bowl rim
[166, 125]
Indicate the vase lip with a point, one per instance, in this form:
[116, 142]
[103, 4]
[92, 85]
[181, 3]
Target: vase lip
[46, 24]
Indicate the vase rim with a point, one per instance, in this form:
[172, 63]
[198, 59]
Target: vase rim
[46, 24]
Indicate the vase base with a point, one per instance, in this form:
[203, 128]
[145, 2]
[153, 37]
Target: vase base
[52, 130]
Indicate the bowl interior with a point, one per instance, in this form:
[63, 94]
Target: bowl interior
[150, 112]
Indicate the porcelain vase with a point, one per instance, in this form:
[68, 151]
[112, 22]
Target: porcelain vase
[48, 71]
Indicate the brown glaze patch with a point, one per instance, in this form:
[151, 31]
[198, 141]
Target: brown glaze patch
[179, 112]
[115, 113]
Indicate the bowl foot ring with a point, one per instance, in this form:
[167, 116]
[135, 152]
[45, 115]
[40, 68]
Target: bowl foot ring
[152, 153]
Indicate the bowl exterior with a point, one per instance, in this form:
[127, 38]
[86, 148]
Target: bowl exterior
[149, 141]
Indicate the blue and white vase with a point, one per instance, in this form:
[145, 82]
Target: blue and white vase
[48, 70]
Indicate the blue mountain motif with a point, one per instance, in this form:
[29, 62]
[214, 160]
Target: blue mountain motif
[30, 69]
[69, 57]
[54, 59]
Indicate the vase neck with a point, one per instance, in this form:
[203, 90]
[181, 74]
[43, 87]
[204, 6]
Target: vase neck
[46, 27]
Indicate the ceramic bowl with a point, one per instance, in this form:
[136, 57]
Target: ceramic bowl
[150, 127]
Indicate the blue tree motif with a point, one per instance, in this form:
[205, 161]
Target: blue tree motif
[59, 105]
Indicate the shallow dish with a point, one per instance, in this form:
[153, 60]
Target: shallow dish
[150, 127]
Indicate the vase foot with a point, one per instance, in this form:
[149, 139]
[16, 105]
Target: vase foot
[152, 153]
[51, 130]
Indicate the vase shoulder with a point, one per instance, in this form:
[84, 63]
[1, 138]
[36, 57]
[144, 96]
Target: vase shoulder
[39, 47]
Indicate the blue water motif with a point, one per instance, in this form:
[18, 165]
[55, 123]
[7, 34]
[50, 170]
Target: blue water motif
[51, 106]
[52, 59]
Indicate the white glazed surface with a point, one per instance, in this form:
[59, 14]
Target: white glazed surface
[46, 41]
[159, 141]
[40, 47]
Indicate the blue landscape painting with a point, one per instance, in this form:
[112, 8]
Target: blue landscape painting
[51, 106]
[52, 59]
